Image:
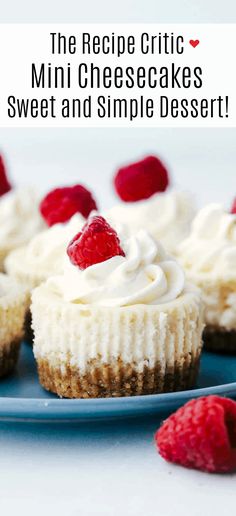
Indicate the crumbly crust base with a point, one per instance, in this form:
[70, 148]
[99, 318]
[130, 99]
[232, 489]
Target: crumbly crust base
[9, 356]
[3, 255]
[115, 379]
[219, 339]
[28, 330]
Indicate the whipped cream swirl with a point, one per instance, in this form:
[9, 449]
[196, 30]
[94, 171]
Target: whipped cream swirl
[45, 252]
[166, 216]
[20, 218]
[145, 275]
[211, 246]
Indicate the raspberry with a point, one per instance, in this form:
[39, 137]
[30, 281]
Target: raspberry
[201, 435]
[233, 209]
[60, 204]
[141, 180]
[5, 186]
[97, 242]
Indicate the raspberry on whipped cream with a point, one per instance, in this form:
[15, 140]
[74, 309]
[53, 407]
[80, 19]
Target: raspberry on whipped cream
[61, 204]
[233, 209]
[5, 185]
[141, 180]
[95, 243]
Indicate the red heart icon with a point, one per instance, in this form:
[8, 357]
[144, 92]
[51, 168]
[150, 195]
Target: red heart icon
[194, 42]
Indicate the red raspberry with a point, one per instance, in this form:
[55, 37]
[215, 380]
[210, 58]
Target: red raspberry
[97, 242]
[60, 204]
[201, 435]
[5, 186]
[141, 180]
[233, 209]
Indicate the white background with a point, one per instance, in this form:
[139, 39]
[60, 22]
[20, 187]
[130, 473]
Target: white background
[200, 160]
[111, 469]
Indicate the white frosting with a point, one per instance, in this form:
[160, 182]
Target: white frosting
[166, 216]
[145, 275]
[20, 218]
[45, 253]
[9, 289]
[210, 250]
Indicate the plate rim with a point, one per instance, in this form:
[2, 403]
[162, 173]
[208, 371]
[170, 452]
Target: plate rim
[35, 409]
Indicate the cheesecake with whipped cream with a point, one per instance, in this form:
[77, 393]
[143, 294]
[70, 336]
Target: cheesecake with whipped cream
[167, 216]
[208, 256]
[41, 258]
[128, 325]
[13, 303]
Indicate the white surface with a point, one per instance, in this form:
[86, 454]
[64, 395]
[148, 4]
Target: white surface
[111, 470]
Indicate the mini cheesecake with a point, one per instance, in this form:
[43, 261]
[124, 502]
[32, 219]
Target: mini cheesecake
[208, 256]
[124, 325]
[41, 258]
[13, 303]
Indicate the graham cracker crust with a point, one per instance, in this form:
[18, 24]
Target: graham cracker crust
[9, 357]
[116, 379]
[28, 330]
[219, 339]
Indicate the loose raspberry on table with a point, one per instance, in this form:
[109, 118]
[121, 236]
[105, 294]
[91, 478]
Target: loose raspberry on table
[61, 204]
[5, 185]
[141, 180]
[201, 435]
[97, 242]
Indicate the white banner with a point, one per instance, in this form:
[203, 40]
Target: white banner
[117, 75]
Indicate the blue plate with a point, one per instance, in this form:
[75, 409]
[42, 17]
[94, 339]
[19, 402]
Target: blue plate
[22, 398]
